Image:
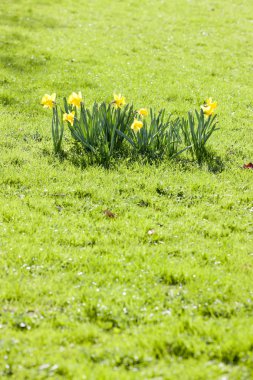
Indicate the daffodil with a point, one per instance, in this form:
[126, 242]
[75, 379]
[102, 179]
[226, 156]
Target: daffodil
[137, 125]
[75, 99]
[209, 107]
[119, 100]
[69, 117]
[48, 101]
[143, 112]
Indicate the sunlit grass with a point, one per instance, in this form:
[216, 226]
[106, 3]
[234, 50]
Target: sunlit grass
[163, 290]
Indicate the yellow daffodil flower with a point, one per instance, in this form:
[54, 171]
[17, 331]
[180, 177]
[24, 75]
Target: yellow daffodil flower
[69, 117]
[48, 101]
[75, 99]
[143, 112]
[209, 107]
[137, 125]
[119, 100]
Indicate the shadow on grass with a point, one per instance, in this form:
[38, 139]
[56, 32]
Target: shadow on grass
[79, 158]
[214, 163]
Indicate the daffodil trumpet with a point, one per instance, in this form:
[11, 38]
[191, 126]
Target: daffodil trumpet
[75, 99]
[209, 107]
[143, 112]
[69, 117]
[136, 125]
[119, 101]
[48, 101]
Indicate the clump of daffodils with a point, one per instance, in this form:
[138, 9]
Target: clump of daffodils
[209, 107]
[105, 131]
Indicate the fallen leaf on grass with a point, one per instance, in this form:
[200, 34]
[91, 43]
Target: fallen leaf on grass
[109, 214]
[248, 166]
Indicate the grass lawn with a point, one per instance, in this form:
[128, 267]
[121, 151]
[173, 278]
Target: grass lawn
[164, 290]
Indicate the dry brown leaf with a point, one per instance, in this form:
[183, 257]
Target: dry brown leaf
[248, 166]
[109, 214]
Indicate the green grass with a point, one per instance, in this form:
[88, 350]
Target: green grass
[84, 296]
